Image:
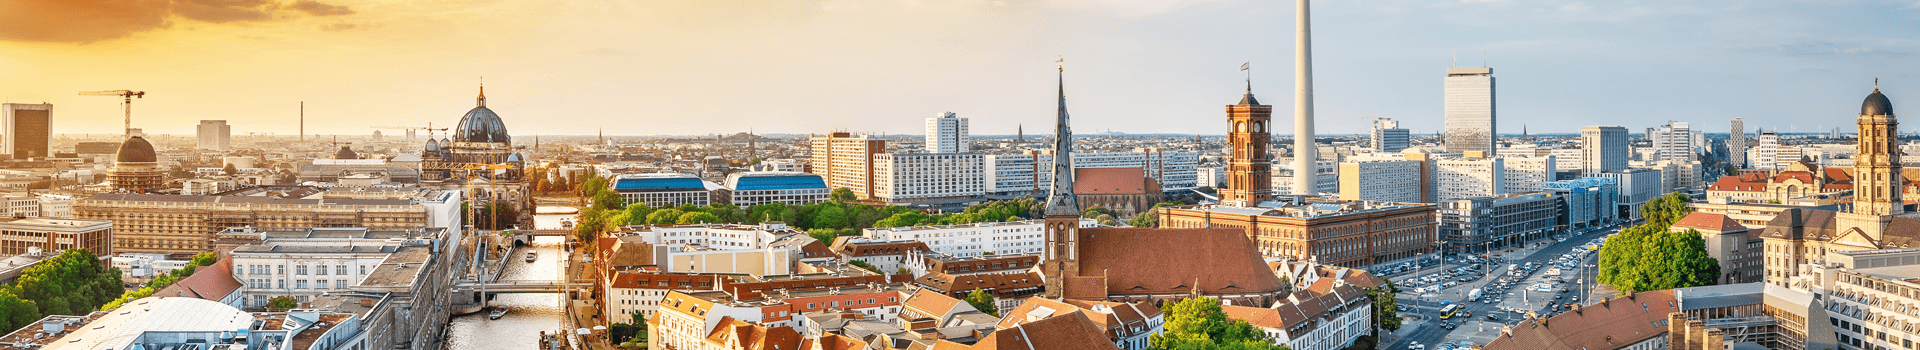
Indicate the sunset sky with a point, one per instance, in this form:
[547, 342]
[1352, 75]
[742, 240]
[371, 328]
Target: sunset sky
[697, 67]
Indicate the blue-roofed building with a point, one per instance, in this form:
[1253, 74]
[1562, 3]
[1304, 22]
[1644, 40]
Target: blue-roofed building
[663, 190]
[759, 187]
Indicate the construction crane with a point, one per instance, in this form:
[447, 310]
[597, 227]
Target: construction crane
[429, 128]
[126, 94]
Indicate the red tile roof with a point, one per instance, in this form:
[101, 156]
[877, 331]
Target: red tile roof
[213, 282]
[1748, 182]
[1709, 222]
[1610, 324]
[846, 248]
[1110, 181]
[928, 303]
[736, 334]
[1065, 332]
[1804, 177]
[997, 283]
[1161, 261]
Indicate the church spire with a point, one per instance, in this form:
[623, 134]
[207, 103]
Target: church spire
[1061, 200]
[482, 100]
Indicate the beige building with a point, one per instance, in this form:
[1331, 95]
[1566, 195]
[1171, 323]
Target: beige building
[166, 224]
[18, 236]
[1387, 181]
[846, 161]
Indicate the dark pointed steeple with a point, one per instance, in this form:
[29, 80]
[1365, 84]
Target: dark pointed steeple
[1061, 200]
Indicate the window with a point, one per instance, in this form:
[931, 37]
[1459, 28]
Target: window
[340, 270]
[320, 284]
[282, 283]
[283, 269]
[300, 284]
[320, 270]
[363, 269]
[300, 270]
[340, 284]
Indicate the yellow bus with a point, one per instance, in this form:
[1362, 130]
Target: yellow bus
[1449, 311]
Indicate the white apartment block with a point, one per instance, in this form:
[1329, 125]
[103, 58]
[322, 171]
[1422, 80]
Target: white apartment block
[972, 240]
[1215, 177]
[1674, 141]
[1174, 169]
[788, 165]
[720, 248]
[1679, 176]
[1388, 181]
[1326, 175]
[947, 134]
[928, 176]
[1567, 159]
[1015, 175]
[1456, 178]
[1527, 174]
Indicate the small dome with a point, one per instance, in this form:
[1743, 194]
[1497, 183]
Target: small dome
[513, 158]
[1876, 104]
[346, 153]
[136, 150]
[433, 145]
[481, 125]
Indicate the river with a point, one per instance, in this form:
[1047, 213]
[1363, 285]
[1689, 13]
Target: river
[530, 313]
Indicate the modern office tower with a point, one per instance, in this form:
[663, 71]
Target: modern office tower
[1527, 174]
[1382, 181]
[1250, 168]
[1590, 200]
[947, 133]
[1389, 137]
[1606, 149]
[1737, 143]
[216, 135]
[1637, 186]
[1674, 141]
[1303, 146]
[1469, 110]
[846, 161]
[28, 129]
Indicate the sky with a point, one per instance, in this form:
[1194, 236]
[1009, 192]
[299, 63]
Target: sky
[699, 67]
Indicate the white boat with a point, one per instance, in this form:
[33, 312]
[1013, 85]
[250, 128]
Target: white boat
[497, 313]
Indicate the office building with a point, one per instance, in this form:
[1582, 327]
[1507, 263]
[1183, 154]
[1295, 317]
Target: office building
[28, 129]
[663, 189]
[947, 134]
[1568, 159]
[1382, 180]
[1482, 224]
[1527, 174]
[218, 136]
[1605, 149]
[1737, 144]
[1675, 141]
[1470, 120]
[1637, 186]
[1468, 177]
[761, 187]
[1388, 137]
[1769, 154]
[22, 235]
[1357, 234]
[845, 161]
[1675, 175]
[1590, 201]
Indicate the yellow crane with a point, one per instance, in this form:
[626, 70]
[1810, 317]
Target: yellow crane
[126, 94]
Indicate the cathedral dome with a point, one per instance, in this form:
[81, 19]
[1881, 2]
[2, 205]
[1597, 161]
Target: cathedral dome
[481, 125]
[1876, 104]
[136, 150]
[433, 145]
[346, 153]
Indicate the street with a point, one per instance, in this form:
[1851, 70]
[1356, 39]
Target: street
[1426, 326]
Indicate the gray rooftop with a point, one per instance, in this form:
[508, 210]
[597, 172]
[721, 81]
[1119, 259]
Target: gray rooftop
[1706, 297]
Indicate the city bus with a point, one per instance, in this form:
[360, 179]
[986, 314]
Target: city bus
[1449, 311]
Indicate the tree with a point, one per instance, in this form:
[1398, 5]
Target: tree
[983, 302]
[696, 218]
[1666, 210]
[1386, 311]
[831, 216]
[230, 170]
[282, 303]
[903, 219]
[665, 216]
[15, 312]
[1200, 323]
[863, 265]
[1653, 257]
[607, 199]
[843, 195]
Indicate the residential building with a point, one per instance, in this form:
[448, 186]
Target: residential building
[1065, 332]
[1637, 321]
[715, 248]
[1526, 174]
[928, 178]
[1606, 149]
[713, 319]
[1017, 175]
[1568, 159]
[1767, 154]
[1469, 110]
[638, 293]
[947, 134]
[846, 161]
[1482, 224]
[972, 240]
[215, 135]
[1737, 144]
[886, 257]
[1589, 201]
[1468, 177]
[158, 322]
[1388, 137]
[1329, 319]
[27, 130]
[1675, 175]
[1127, 325]
[166, 224]
[1736, 248]
[1174, 169]
[1385, 180]
[1008, 290]
[761, 187]
[922, 263]
[1326, 176]
[663, 189]
[23, 235]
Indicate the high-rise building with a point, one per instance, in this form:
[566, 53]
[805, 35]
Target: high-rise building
[1469, 110]
[846, 161]
[1737, 143]
[1250, 168]
[1673, 141]
[28, 129]
[1766, 153]
[1527, 174]
[947, 133]
[1468, 177]
[1389, 137]
[216, 135]
[1606, 149]
[1381, 180]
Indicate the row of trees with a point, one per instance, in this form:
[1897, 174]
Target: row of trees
[1650, 256]
[72, 283]
[836, 217]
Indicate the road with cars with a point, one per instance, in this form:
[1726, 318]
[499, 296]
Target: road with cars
[1419, 299]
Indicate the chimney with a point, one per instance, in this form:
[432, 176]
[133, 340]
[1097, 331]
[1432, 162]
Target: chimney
[1712, 340]
[1696, 331]
[1677, 331]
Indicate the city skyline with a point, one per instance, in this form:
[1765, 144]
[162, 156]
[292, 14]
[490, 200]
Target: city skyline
[1149, 66]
